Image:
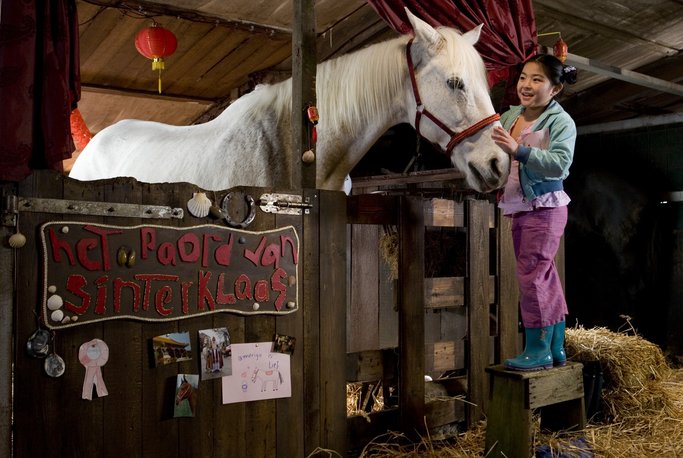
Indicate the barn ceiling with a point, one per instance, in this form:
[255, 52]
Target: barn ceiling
[226, 47]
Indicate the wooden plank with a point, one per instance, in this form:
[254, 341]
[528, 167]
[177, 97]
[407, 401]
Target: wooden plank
[88, 436]
[440, 356]
[261, 416]
[426, 176]
[290, 441]
[444, 213]
[123, 416]
[332, 303]
[371, 365]
[454, 327]
[507, 293]
[388, 308]
[363, 326]
[450, 213]
[508, 430]
[559, 385]
[446, 292]
[31, 393]
[336, 40]
[6, 329]
[444, 411]
[312, 299]
[158, 384]
[411, 313]
[372, 209]
[478, 307]
[233, 438]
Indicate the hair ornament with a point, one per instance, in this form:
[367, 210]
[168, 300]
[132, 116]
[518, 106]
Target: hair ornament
[568, 74]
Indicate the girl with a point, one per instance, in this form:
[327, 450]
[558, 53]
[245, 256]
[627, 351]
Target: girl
[539, 136]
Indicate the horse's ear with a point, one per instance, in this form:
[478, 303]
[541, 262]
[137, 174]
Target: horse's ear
[473, 35]
[424, 32]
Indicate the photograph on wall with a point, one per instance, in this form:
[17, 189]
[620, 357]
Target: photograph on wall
[258, 373]
[171, 348]
[216, 360]
[284, 344]
[185, 403]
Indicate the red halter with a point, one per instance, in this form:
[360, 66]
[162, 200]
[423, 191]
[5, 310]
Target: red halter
[420, 110]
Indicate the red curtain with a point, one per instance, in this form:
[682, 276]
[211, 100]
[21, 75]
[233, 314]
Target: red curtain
[39, 85]
[508, 36]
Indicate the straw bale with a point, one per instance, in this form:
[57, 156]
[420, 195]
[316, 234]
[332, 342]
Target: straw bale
[633, 370]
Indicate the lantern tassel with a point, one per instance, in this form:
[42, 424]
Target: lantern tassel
[159, 81]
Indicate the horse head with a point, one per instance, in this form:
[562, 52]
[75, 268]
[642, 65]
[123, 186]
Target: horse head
[184, 391]
[453, 109]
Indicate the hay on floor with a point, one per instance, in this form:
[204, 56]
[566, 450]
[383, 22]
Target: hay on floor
[642, 399]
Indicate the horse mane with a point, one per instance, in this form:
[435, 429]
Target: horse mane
[373, 76]
[355, 88]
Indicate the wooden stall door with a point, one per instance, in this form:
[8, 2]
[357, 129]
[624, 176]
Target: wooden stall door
[135, 418]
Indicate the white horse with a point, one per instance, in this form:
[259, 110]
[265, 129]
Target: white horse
[272, 376]
[436, 75]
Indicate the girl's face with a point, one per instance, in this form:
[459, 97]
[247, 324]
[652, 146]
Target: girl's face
[534, 88]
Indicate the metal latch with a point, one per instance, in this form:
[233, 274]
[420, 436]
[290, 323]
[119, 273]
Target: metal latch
[285, 204]
[80, 207]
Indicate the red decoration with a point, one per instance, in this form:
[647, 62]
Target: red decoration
[79, 130]
[156, 43]
[560, 49]
[313, 117]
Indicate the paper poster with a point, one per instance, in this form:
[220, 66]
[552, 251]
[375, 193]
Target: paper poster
[257, 373]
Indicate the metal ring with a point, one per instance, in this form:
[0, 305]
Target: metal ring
[250, 216]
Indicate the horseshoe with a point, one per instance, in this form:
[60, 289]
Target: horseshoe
[247, 220]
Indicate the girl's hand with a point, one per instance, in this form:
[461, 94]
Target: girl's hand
[503, 139]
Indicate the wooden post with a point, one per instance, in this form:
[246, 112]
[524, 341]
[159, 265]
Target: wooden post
[303, 90]
[6, 322]
[411, 314]
[476, 293]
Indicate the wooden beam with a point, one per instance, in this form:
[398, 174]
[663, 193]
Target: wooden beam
[303, 90]
[171, 9]
[628, 124]
[542, 8]
[623, 74]
[128, 92]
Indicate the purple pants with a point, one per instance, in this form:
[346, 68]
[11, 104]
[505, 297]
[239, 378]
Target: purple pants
[536, 237]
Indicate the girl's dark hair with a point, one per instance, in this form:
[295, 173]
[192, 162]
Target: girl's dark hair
[556, 71]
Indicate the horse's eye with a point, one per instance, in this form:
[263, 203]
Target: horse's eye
[455, 83]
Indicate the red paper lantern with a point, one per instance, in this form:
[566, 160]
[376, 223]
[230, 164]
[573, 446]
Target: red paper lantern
[560, 49]
[79, 130]
[155, 43]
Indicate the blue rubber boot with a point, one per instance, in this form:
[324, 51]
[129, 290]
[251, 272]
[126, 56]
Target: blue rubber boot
[537, 355]
[557, 345]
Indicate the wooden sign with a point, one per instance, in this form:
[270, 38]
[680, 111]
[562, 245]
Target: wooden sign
[95, 272]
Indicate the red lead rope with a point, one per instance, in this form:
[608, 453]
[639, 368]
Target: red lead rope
[471, 131]
[420, 110]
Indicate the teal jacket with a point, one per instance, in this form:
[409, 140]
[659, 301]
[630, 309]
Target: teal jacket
[542, 171]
